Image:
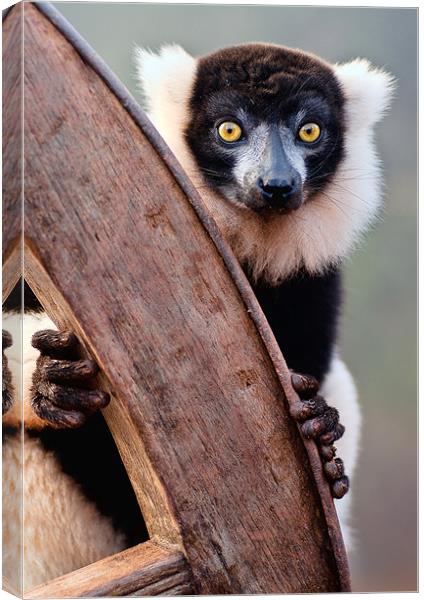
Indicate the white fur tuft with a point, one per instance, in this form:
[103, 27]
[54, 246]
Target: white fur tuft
[368, 92]
[166, 76]
[166, 80]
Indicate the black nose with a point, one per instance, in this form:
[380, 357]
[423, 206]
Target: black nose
[278, 191]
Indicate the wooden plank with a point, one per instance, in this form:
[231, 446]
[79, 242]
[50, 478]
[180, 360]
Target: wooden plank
[145, 570]
[12, 149]
[120, 249]
[12, 268]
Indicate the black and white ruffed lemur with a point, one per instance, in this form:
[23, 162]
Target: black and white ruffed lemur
[279, 144]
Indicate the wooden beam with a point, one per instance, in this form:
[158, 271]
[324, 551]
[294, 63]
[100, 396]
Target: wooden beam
[145, 570]
[120, 248]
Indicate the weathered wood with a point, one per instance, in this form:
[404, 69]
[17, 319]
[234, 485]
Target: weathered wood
[12, 149]
[145, 570]
[119, 248]
[12, 267]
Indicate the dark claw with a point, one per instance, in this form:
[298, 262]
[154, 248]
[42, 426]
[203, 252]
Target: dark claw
[340, 487]
[306, 409]
[70, 398]
[57, 416]
[327, 452]
[334, 469]
[317, 426]
[49, 341]
[63, 371]
[332, 436]
[305, 385]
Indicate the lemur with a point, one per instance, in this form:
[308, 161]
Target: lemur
[279, 144]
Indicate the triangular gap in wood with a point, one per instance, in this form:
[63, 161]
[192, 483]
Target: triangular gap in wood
[88, 454]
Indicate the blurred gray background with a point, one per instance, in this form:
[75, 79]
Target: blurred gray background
[379, 328]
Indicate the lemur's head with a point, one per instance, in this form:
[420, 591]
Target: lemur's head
[266, 125]
[282, 140]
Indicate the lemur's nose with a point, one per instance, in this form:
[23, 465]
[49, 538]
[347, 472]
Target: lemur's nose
[279, 192]
[276, 189]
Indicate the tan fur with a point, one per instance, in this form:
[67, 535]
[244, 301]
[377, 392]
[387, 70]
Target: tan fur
[12, 520]
[322, 232]
[62, 530]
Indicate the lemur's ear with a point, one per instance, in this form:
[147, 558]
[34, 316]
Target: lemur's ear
[165, 76]
[368, 92]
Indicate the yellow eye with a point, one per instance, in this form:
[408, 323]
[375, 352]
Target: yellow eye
[309, 132]
[229, 131]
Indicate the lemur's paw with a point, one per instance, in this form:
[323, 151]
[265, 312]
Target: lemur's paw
[321, 422]
[60, 384]
[7, 388]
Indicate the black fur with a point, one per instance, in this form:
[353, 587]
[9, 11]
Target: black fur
[89, 455]
[303, 315]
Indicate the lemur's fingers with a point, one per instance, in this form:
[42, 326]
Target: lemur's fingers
[61, 382]
[51, 342]
[64, 371]
[332, 436]
[7, 387]
[306, 409]
[71, 399]
[327, 452]
[305, 385]
[339, 483]
[6, 339]
[55, 415]
[340, 487]
[323, 424]
[334, 469]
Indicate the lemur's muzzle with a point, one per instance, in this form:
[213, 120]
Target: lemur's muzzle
[280, 185]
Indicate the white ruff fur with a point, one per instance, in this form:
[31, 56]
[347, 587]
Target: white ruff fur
[323, 231]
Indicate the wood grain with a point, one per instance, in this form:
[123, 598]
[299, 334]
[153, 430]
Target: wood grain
[145, 570]
[116, 250]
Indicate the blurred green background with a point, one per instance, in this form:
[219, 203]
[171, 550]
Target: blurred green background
[379, 329]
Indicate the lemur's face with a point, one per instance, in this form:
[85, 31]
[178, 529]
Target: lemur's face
[266, 126]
